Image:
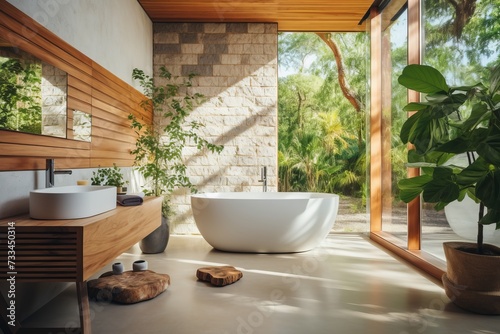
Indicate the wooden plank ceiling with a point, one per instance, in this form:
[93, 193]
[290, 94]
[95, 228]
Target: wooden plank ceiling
[291, 15]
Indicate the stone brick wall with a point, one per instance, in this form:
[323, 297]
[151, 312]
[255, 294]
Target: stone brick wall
[237, 71]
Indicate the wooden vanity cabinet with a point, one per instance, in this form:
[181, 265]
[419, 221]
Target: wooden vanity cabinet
[71, 250]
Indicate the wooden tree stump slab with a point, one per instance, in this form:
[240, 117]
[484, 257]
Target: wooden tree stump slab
[219, 276]
[129, 287]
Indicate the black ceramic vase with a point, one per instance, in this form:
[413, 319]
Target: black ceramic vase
[156, 241]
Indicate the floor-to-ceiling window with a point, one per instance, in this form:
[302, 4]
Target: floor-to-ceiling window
[396, 42]
[394, 97]
[458, 40]
[389, 55]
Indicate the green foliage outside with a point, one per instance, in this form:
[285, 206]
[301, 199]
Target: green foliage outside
[322, 137]
[20, 95]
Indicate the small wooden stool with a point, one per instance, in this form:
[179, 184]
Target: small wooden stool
[219, 276]
[129, 287]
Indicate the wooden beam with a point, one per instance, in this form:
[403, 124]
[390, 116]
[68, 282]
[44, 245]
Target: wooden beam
[290, 15]
[376, 121]
[414, 51]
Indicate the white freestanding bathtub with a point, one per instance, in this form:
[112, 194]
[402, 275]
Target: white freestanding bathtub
[264, 222]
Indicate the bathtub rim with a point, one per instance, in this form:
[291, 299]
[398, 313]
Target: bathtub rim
[253, 195]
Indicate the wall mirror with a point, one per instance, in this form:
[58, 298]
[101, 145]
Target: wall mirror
[33, 96]
[82, 125]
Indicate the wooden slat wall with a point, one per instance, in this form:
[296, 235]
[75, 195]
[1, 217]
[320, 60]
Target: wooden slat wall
[91, 88]
[112, 102]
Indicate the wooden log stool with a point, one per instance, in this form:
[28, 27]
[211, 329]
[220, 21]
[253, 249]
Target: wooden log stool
[129, 287]
[219, 276]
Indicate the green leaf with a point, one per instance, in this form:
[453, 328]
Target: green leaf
[456, 99]
[441, 188]
[421, 164]
[456, 146]
[408, 127]
[415, 106]
[425, 129]
[440, 191]
[488, 189]
[463, 88]
[440, 206]
[473, 173]
[490, 149]
[495, 80]
[414, 157]
[428, 133]
[491, 217]
[478, 114]
[436, 98]
[412, 187]
[423, 78]
[431, 159]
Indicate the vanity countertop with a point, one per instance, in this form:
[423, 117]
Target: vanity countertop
[25, 220]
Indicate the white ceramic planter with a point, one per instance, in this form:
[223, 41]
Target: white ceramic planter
[462, 217]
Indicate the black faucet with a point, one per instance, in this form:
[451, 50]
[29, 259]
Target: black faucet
[50, 172]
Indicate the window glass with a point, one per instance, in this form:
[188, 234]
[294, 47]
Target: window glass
[394, 98]
[459, 41]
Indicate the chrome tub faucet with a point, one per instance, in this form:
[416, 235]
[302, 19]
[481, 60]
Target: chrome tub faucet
[263, 178]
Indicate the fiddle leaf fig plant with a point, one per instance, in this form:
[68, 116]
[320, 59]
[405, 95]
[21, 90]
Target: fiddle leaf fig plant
[159, 146]
[453, 123]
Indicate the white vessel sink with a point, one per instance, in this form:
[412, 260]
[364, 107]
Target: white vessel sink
[71, 202]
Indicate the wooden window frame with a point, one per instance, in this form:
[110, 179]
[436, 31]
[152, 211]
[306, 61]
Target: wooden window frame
[411, 250]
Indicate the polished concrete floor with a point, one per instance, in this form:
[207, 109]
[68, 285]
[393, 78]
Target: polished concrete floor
[347, 285]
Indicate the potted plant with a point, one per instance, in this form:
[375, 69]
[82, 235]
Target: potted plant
[458, 121]
[109, 176]
[158, 150]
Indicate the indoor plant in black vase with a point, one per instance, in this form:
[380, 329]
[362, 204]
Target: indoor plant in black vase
[453, 122]
[158, 150]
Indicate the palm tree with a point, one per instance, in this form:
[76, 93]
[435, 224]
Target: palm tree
[306, 145]
[334, 134]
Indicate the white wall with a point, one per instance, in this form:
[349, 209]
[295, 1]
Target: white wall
[117, 34]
